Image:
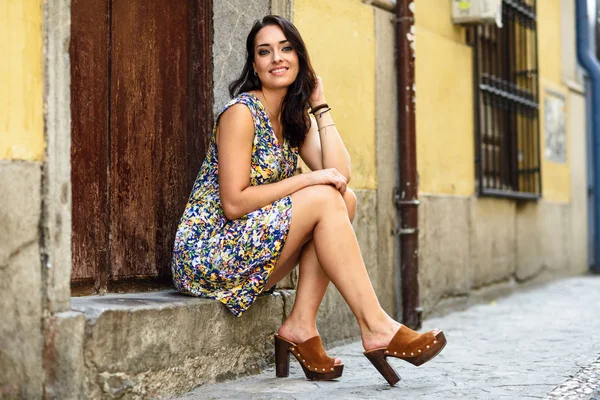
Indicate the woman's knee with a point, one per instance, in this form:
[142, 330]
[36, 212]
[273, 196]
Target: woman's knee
[320, 198]
[350, 200]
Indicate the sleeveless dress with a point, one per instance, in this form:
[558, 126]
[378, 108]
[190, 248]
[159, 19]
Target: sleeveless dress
[231, 260]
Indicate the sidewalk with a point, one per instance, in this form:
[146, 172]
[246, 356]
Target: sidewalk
[519, 347]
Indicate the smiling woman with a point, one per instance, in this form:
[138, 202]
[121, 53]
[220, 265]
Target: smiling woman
[250, 220]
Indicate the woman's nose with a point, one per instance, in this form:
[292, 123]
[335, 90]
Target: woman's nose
[276, 57]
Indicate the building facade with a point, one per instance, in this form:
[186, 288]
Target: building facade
[470, 243]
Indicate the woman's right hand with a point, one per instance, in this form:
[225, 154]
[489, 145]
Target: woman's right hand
[329, 176]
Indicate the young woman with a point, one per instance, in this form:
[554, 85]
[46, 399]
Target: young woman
[250, 220]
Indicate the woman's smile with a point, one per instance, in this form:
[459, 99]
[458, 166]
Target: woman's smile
[279, 71]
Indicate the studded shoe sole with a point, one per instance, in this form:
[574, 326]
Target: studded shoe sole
[418, 351]
[311, 355]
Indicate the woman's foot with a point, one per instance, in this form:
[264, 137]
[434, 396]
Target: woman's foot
[380, 335]
[299, 332]
[383, 337]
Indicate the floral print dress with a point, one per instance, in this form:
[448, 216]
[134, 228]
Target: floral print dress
[231, 260]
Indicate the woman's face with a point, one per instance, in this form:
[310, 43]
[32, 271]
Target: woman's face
[275, 60]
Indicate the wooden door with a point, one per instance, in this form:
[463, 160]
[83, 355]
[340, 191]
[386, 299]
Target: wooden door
[141, 101]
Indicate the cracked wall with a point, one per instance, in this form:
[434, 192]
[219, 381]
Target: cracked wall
[35, 207]
[21, 157]
[21, 374]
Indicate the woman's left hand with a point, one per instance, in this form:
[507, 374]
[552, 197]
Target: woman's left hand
[318, 95]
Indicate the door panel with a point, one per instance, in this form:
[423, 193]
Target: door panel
[89, 151]
[148, 170]
[148, 144]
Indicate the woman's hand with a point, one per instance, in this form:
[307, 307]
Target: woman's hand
[329, 176]
[318, 95]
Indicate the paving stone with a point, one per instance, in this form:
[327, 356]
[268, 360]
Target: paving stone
[538, 341]
[584, 385]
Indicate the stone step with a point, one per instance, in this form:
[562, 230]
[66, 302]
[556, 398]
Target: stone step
[164, 343]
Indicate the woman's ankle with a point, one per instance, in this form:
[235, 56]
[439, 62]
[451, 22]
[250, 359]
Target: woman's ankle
[298, 330]
[379, 333]
[376, 323]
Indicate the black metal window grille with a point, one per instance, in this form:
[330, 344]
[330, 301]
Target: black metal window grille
[507, 109]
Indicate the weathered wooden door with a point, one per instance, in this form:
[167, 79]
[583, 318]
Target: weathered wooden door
[141, 102]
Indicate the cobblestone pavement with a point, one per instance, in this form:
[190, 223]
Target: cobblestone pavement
[542, 342]
[584, 385]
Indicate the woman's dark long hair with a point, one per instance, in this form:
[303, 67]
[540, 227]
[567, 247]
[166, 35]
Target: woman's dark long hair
[294, 110]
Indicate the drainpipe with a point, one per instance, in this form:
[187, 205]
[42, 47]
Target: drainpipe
[407, 192]
[588, 60]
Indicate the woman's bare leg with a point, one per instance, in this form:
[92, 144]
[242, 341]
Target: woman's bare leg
[301, 325]
[319, 214]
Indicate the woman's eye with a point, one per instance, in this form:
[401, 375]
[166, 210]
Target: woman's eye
[263, 52]
[288, 48]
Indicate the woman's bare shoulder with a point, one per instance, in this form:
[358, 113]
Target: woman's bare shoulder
[238, 113]
[236, 123]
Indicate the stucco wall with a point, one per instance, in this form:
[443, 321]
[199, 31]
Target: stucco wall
[21, 150]
[578, 252]
[445, 145]
[475, 248]
[21, 111]
[21, 374]
[35, 197]
[571, 72]
[444, 110]
[340, 38]
[556, 177]
[572, 77]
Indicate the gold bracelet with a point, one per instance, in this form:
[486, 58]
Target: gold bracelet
[325, 126]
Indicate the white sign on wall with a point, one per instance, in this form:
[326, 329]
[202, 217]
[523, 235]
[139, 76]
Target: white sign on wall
[555, 134]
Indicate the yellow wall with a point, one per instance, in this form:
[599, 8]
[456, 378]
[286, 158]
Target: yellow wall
[21, 93]
[444, 92]
[556, 177]
[340, 36]
[444, 108]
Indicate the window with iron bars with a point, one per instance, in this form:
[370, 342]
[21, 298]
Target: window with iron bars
[506, 104]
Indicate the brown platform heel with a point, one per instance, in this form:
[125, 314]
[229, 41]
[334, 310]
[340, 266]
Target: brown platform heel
[311, 355]
[407, 345]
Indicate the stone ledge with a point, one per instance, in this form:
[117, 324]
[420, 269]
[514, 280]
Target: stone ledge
[146, 345]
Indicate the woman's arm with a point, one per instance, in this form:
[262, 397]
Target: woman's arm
[323, 146]
[235, 134]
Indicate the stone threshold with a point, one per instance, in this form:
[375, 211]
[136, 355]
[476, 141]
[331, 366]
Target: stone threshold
[156, 344]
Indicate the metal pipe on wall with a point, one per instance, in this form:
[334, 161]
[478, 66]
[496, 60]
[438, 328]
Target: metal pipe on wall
[589, 61]
[407, 192]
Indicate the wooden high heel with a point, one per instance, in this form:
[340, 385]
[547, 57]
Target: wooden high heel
[311, 355]
[409, 346]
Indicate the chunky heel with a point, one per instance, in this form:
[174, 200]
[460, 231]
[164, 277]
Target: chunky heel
[311, 355]
[282, 357]
[377, 358]
[409, 346]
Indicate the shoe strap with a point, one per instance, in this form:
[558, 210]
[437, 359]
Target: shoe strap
[408, 341]
[314, 353]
